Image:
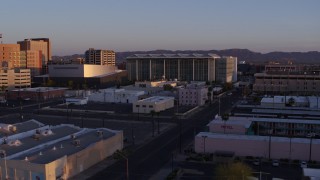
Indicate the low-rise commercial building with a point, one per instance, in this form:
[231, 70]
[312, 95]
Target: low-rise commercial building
[35, 94]
[258, 146]
[155, 103]
[194, 94]
[262, 137]
[116, 95]
[37, 151]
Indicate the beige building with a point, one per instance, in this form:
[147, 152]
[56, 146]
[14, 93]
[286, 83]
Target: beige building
[194, 94]
[42, 45]
[226, 69]
[100, 57]
[305, 84]
[32, 150]
[155, 103]
[15, 78]
[33, 61]
[9, 56]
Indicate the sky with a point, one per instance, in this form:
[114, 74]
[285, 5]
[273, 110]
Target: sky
[73, 26]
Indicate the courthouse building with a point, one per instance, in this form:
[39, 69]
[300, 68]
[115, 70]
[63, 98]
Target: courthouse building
[183, 67]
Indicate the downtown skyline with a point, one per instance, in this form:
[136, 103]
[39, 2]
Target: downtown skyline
[75, 26]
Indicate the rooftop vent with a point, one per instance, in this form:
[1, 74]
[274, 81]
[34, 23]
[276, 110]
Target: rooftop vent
[61, 146]
[73, 136]
[26, 158]
[54, 148]
[36, 137]
[76, 142]
[40, 153]
[2, 153]
[13, 129]
[100, 133]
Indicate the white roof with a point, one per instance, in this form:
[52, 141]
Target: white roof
[256, 138]
[259, 119]
[242, 122]
[157, 99]
[174, 55]
[314, 174]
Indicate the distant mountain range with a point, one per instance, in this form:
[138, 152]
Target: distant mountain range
[310, 57]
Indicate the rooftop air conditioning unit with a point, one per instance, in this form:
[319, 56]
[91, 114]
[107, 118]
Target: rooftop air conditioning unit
[36, 136]
[76, 143]
[73, 136]
[2, 153]
[100, 133]
[13, 129]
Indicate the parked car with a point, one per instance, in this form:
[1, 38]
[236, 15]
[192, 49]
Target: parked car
[303, 164]
[256, 162]
[275, 163]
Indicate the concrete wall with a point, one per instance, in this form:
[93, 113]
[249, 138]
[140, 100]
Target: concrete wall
[97, 152]
[147, 106]
[115, 95]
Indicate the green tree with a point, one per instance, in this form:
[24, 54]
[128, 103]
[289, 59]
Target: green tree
[70, 84]
[233, 171]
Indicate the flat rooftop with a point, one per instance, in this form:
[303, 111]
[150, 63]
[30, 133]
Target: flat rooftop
[66, 147]
[30, 142]
[157, 99]
[256, 138]
[21, 127]
[296, 121]
[39, 89]
[173, 55]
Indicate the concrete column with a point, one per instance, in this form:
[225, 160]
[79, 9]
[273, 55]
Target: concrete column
[137, 70]
[192, 69]
[164, 68]
[150, 73]
[179, 69]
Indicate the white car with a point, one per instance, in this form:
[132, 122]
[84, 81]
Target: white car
[303, 164]
[256, 162]
[275, 163]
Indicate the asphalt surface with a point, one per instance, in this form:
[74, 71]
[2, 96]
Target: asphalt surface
[146, 161]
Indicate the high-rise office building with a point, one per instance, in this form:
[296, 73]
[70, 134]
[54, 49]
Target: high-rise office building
[185, 67]
[100, 57]
[226, 69]
[33, 61]
[38, 44]
[10, 56]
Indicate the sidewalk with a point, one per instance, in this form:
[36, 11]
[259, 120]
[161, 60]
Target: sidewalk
[167, 168]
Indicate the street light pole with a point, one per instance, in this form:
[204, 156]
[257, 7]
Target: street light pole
[219, 108]
[127, 163]
[204, 143]
[310, 148]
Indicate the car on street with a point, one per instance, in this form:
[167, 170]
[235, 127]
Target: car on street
[256, 162]
[275, 163]
[303, 164]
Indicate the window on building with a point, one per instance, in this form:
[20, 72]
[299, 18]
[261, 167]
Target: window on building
[144, 106]
[150, 106]
[137, 105]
